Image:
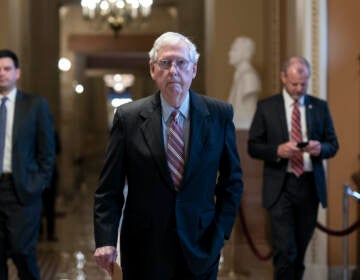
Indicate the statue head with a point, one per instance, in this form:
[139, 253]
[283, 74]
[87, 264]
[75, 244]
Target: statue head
[242, 49]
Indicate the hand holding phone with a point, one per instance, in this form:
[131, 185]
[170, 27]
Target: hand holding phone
[301, 145]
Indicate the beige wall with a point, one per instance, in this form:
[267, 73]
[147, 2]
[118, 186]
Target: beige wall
[344, 101]
[3, 23]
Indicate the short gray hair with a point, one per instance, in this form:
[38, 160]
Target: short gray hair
[296, 60]
[172, 39]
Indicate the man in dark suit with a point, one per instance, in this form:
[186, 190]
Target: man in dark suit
[174, 222]
[26, 163]
[293, 146]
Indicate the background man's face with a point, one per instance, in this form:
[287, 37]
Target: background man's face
[295, 82]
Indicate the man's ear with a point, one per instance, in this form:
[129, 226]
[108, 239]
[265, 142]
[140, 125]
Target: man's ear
[283, 77]
[152, 69]
[194, 70]
[18, 73]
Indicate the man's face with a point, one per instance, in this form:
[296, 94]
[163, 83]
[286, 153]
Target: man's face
[8, 75]
[296, 82]
[173, 73]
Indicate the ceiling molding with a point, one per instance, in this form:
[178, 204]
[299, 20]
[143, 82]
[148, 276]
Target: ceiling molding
[89, 43]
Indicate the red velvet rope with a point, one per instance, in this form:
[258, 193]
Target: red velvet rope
[266, 257]
[342, 232]
[249, 238]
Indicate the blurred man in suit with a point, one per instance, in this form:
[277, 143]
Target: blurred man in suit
[177, 150]
[47, 231]
[27, 157]
[292, 132]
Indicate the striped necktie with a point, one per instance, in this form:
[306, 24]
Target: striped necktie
[296, 162]
[2, 132]
[175, 150]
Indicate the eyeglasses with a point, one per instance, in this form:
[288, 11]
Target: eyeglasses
[165, 64]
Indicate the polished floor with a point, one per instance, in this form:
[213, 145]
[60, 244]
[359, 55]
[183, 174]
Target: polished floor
[70, 258]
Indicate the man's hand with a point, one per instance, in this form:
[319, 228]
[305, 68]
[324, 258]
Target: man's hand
[313, 148]
[288, 150]
[105, 257]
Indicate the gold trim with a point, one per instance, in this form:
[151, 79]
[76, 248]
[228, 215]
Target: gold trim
[315, 47]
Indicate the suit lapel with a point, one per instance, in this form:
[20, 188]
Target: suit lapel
[281, 113]
[199, 130]
[20, 109]
[153, 135]
[308, 114]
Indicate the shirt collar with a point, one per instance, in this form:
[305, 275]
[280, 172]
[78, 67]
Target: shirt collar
[167, 109]
[11, 96]
[289, 101]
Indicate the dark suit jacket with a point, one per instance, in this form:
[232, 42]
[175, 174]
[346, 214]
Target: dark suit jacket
[269, 129]
[33, 150]
[136, 151]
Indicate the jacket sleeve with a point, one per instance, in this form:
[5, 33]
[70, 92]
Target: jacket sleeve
[259, 144]
[229, 187]
[109, 198]
[329, 142]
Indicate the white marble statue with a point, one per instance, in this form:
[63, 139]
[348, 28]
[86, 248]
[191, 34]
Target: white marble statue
[246, 84]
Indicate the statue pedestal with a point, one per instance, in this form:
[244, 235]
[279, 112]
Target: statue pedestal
[239, 261]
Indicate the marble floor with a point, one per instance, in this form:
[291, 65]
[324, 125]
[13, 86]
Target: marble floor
[70, 258]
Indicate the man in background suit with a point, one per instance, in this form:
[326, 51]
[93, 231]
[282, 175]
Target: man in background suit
[27, 157]
[174, 225]
[294, 178]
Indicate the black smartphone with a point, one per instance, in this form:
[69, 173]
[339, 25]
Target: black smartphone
[301, 145]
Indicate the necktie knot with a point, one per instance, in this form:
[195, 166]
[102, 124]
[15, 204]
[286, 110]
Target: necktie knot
[3, 100]
[175, 116]
[296, 105]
